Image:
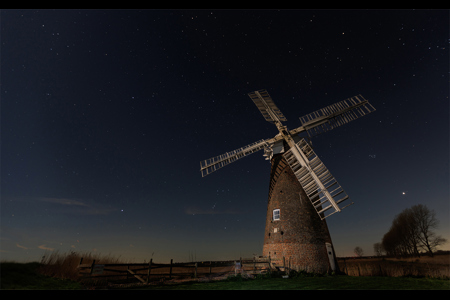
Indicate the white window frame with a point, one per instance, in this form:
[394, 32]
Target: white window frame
[276, 214]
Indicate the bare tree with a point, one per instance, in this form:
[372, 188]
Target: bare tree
[426, 220]
[411, 230]
[390, 242]
[378, 249]
[406, 223]
[358, 251]
[400, 240]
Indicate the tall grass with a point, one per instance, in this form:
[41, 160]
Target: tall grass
[436, 267]
[64, 266]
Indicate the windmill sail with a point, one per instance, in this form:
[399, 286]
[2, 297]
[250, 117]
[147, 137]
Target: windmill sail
[324, 192]
[322, 189]
[335, 115]
[265, 104]
[213, 164]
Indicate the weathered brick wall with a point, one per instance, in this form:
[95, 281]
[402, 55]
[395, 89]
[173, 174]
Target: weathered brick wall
[300, 234]
[307, 257]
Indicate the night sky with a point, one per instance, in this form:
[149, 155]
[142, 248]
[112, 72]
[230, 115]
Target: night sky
[106, 115]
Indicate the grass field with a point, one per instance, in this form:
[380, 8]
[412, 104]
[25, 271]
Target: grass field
[337, 282]
[16, 276]
[59, 271]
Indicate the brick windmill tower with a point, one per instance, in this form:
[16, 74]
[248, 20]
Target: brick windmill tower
[302, 192]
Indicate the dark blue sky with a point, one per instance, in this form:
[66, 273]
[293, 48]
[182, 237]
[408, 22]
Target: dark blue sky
[106, 115]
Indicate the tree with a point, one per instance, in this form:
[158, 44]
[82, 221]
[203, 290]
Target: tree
[412, 230]
[425, 220]
[406, 224]
[389, 242]
[358, 251]
[378, 249]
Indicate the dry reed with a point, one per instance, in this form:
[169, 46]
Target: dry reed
[434, 267]
[64, 266]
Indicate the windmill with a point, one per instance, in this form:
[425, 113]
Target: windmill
[302, 192]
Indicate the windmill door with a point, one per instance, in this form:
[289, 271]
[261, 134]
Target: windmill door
[330, 256]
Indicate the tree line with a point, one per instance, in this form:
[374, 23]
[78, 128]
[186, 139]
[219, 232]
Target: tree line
[411, 233]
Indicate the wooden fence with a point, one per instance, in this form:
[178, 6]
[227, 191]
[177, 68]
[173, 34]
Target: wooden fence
[146, 272]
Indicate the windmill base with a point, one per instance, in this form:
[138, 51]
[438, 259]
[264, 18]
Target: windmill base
[299, 257]
[295, 235]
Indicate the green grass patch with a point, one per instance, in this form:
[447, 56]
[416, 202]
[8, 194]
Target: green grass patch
[18, 276]
[335, 282]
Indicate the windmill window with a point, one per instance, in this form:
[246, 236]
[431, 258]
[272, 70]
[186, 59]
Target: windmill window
[276, 214]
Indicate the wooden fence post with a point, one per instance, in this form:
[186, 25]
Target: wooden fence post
[242, 265]
[195, 271]
[210, 267]
[92, 266]
[149, 269]
[170, 272]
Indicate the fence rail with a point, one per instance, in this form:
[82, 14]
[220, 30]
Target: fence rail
[145, 271]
